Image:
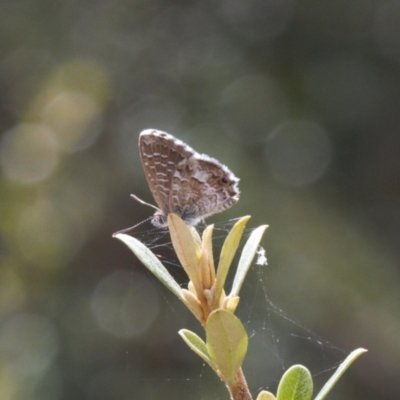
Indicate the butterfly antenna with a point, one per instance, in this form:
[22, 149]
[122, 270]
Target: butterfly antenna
[132, 227]
[143, 202]
[140, 223]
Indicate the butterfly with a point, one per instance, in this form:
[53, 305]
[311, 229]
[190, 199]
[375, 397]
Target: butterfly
[182, 181]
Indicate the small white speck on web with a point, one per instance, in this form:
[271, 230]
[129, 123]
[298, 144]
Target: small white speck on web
[261, 259]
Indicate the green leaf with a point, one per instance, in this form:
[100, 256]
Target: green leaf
[339, 372]
[248, 253]
[226, 342]
[265, 395]
[296, 384]
[197, 345]
[227, 253]
[151, 262]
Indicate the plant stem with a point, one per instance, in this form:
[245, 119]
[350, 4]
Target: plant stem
[239, 389]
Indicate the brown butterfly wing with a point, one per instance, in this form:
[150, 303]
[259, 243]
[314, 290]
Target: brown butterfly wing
[160, 154]
[183, 181]
[202, 186]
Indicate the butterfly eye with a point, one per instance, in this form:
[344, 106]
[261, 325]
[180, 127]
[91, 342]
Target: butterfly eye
[159, 220]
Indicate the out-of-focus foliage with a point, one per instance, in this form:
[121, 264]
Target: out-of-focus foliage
[299, 98]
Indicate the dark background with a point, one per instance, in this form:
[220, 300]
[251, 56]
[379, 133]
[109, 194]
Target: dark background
[301, 99]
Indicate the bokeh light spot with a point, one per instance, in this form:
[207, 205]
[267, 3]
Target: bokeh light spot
[28, 153]
[298, 152]
[75, 119]
[8, 383]
[28, 344]
[47, 235]
[125, 304]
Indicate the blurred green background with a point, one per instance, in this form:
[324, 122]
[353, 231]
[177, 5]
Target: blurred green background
[301, 99]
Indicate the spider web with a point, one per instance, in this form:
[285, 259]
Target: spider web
[276, 339]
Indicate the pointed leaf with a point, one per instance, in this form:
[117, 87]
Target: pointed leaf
[248, 253]
[265, 395]
[195, 235]
[186, 248]
[151, 262]
[339, 372]
[232, 303]
[296, 384]
[227, 253]
[197, 345]
[208, 270]
[226, 342]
